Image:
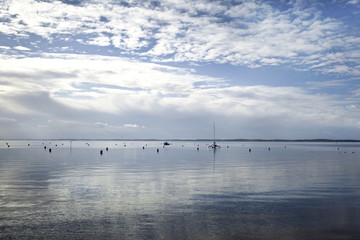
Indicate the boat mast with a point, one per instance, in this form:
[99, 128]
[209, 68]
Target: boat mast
[214, 132]
[214, 146]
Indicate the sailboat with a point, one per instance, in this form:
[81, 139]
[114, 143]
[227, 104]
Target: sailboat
[214, 145]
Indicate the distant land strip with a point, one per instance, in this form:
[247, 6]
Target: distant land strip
[186, 140]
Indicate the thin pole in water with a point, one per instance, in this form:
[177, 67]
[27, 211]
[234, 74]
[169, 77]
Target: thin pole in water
[71, 140]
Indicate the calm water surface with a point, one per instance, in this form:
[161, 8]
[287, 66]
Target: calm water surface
[292, 191]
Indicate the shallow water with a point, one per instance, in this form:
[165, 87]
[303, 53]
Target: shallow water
[293, 191]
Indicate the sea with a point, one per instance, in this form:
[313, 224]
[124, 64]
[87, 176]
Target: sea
[144, 190]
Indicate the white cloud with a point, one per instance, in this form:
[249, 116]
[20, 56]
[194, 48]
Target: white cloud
[122, 95]
[101, 124]
[327, 84]
[249, 9]
[248, 33]
[354, 2]
[21, 48]
[117, 94]
[100, 41]
[5, 119]
[130, 125]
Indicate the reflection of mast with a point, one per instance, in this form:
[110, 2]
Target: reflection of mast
[214, 160]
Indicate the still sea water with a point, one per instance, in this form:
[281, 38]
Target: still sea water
[292, 191]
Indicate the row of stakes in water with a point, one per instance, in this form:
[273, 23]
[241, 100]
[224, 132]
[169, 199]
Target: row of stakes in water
[157, 150]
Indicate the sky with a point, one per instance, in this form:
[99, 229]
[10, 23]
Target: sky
[169, 69]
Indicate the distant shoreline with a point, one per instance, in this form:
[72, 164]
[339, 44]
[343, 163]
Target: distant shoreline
[188, 140]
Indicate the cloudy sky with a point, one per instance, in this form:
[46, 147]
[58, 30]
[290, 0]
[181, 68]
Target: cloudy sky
[170, 68]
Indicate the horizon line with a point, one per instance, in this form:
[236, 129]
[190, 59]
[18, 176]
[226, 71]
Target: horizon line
[179, 139]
